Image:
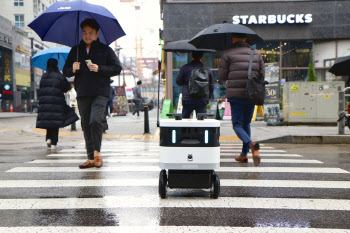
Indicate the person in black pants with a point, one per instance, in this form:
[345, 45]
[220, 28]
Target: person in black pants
[110, 101]
[189, 102]
[53, 110]
[95, 64]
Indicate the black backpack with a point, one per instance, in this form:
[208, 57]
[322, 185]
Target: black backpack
[198, 85]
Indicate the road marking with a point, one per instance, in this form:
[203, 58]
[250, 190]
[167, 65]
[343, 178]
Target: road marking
[168, 229]
[141, 153]
[240, 146]
[103, 150]
[111, 150]
[228, 150]
[155, 182]
[121, 154]
[156, 160]
[153, 201]
[156, 168]
[264, 160]
[223, 154]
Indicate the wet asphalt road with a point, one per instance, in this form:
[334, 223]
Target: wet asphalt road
[297, 188]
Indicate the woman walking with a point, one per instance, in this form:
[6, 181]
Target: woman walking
[53, 112]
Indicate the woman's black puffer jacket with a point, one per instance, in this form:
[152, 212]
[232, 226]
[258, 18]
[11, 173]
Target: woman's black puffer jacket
[52, 103]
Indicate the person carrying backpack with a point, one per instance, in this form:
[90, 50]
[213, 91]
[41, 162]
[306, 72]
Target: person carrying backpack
[197, 85]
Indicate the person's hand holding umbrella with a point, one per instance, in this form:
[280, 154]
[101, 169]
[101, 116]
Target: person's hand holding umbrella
[76, 66]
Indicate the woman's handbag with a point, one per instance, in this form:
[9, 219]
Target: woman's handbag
[255, 89]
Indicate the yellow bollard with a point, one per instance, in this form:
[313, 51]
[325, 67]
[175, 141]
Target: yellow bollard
[261, 110]
[255, 112]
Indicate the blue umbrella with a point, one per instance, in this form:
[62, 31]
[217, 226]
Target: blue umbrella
[59, 53]
[60, 23]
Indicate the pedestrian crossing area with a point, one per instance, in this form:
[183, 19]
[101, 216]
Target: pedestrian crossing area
[288, 192]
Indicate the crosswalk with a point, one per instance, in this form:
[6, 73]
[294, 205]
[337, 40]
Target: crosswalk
[286, 193]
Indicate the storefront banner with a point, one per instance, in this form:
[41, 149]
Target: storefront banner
[6, 83]
[227, 111]
[272, 72]
[120, 103]
[271, 103]
[129, 93]
[22, 77]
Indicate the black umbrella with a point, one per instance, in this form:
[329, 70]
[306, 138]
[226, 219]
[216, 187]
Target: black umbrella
[182, 46]
[341, 66]
[219, 36]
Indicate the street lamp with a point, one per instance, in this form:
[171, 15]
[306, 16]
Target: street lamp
[118, 48]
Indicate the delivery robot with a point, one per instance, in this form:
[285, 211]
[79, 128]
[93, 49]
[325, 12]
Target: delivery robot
[189, 153]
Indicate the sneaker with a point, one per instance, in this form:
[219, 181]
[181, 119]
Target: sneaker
[242, 159]
[48, 143]
[255, 147]
[53, 147]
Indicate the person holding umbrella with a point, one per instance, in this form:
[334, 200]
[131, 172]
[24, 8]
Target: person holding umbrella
[92, 67]
[194, 103]
[53, 112]
[233, 69]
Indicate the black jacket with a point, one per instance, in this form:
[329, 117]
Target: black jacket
[89, 83]
[53, 110]
[233, 68]
[183, 78]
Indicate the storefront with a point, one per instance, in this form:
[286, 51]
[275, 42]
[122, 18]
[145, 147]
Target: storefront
[6, 65]
[292, 32]
[22, 54]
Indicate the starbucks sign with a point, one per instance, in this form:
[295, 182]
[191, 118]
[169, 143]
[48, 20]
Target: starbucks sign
[272, 19]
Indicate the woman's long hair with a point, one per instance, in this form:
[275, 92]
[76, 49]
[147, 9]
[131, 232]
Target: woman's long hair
[52, 65]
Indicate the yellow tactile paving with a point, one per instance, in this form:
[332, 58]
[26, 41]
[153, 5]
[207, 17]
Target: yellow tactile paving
[155, 136]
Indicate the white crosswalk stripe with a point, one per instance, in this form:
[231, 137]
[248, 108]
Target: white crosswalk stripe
[168, 229]
[153, 201]
[87, 189]
[156, 160]
[148, 154]
[154, 183]
[156, 168]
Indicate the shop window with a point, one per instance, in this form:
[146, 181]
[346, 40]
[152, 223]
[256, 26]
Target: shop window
[299, 75]
[180, 59]
[210, 60]
[19, 20]
[296, 53]
[270, 51]
[176, 89]
[219, 88]
[18, 2]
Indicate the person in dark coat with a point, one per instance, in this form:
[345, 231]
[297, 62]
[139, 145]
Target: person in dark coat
[110, 101]
[95, 64]
[233, 69]
[52, 113]
[190, 103]
[137, 98]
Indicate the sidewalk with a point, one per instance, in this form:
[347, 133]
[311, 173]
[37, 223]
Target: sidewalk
[16, 114]
[127, 127]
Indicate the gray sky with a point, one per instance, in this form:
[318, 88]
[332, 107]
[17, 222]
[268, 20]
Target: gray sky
[144, 23]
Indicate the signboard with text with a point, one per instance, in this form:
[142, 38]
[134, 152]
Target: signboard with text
[120, 103]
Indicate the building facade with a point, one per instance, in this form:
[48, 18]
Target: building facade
[17, 45]
[294, 33]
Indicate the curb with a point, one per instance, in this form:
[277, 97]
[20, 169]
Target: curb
[290, 139]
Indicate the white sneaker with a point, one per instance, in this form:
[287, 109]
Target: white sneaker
[53, 147]
[48, 143]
